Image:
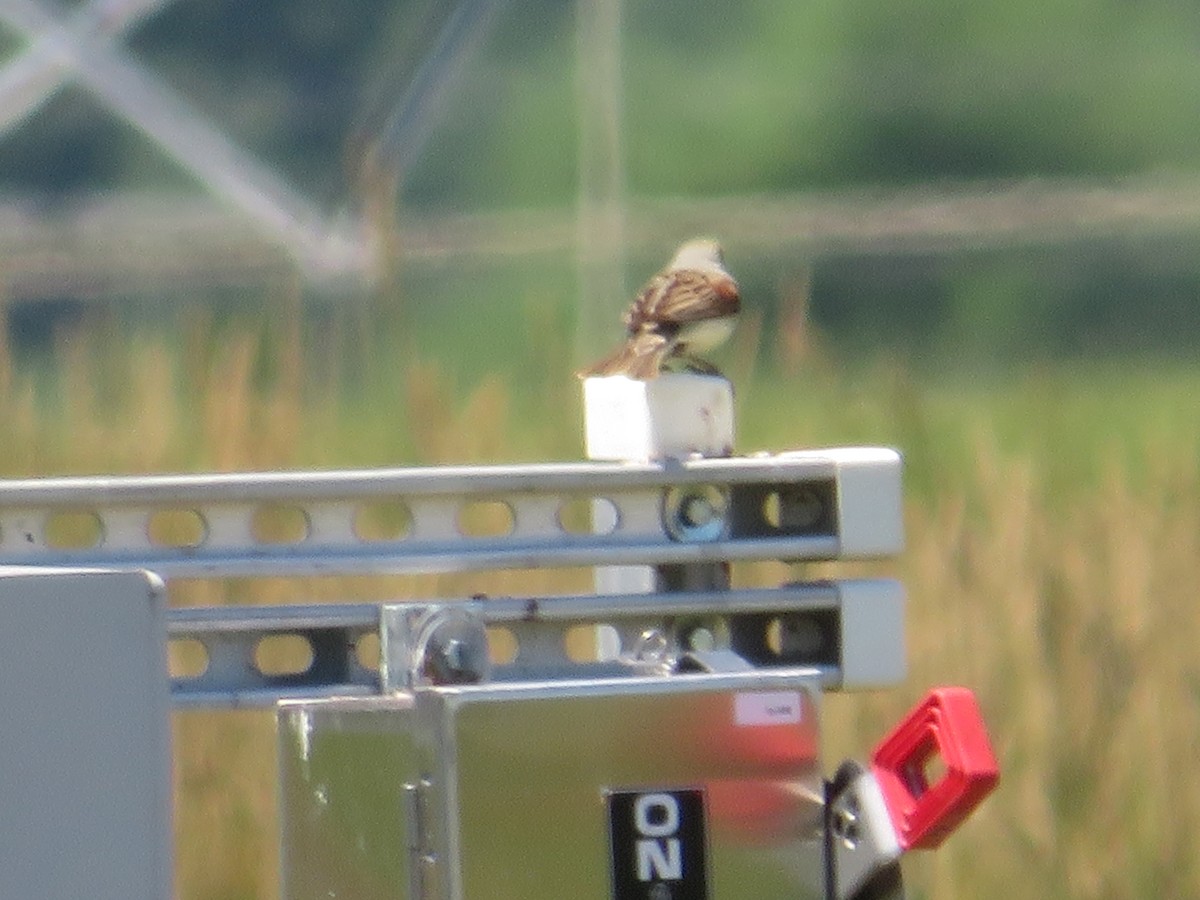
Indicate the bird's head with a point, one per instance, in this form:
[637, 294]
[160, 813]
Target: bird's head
[700, 253]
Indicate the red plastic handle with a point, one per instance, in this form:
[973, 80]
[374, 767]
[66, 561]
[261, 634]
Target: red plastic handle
[946, 724]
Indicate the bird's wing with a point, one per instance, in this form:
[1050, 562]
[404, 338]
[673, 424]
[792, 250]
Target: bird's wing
[640, 358]
[681, 296]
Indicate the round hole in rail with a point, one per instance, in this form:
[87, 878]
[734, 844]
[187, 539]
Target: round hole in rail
[591, 643]
[186, 658]
[278, 523]
[793, 510]
[367, 650]
[795, 637]
[503, 646]
[703, 635]
[176, 528]
[283, 654]
[383, 520]
[486, 519]
[74, 529]
[588, 515]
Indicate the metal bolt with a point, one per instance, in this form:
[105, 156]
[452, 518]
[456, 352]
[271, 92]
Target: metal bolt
[846, 822]
[651, 646]
[455, 654]
[453, 649]
[696, 513]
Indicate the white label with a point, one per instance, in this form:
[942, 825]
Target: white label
[767, 708]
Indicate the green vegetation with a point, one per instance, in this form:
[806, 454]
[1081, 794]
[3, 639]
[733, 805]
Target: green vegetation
[719, 99]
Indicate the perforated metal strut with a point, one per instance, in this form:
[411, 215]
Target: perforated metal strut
[848, 631]
[812, 505]
[803, 506]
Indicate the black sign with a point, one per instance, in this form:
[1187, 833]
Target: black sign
[658, 845]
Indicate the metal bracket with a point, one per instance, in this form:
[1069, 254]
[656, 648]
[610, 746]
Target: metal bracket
[440, 644]
[863, 849]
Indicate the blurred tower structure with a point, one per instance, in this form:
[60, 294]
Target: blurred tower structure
[600, 227]
[250, 215]
[83, 47]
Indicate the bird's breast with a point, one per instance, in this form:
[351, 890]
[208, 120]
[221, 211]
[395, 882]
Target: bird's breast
[706, 334]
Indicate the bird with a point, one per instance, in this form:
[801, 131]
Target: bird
[689, 307]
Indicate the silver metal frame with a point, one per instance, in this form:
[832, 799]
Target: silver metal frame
[861, 490]
[648, 629]
[815, 505]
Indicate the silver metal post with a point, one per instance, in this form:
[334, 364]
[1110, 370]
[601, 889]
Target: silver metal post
[676, 416]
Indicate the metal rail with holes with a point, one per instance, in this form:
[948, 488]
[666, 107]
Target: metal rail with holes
[812, 505]
[797, 506]
[817, 624]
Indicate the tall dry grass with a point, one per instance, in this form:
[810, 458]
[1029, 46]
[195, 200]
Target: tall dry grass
[1063, 594]
[1072, 614]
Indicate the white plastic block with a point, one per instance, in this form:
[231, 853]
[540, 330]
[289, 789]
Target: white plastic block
[873, 646]
[674, 415]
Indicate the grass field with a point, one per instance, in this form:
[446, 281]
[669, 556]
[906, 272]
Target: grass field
[1052, 565]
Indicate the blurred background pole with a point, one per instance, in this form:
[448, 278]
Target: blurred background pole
[600, 229]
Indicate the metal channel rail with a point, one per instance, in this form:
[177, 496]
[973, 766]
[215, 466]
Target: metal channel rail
[798, 506]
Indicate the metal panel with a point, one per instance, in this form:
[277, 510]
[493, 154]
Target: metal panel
[524, 771]
[343, 767]
[85, 760]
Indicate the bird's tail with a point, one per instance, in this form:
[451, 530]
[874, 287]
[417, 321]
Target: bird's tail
[640, 358]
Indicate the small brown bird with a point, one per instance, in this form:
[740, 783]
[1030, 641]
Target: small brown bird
[689, 307]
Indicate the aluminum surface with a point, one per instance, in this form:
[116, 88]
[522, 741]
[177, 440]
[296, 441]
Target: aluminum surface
[114, 521]
[799, 624]
[522, 772]
[229, 637]
[863, 841]
[85, 757]
[346, 827]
